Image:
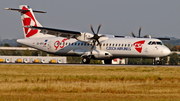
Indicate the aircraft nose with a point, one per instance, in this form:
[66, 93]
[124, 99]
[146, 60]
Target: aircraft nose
[166, 51]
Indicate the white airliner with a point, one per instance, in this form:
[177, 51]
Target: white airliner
[84, 44]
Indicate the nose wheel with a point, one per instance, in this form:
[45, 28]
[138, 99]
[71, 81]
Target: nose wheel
[86, 60]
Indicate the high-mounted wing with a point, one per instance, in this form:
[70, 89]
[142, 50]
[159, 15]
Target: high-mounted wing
[57, 32]
[163, 38]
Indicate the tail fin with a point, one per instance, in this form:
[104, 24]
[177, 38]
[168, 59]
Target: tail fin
[28, 19]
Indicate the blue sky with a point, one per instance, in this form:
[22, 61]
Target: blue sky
[158, 18]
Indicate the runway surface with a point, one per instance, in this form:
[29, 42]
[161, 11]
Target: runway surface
[114, 65]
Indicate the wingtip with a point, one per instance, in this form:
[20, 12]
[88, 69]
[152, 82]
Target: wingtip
[6, 9]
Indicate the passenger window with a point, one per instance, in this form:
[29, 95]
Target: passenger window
[125, 45]
[119, 45]
[122, 45]
[75, 44]
[107, 44]
[72, 44]
[112, 44]
[128, 45]
[84, 44]
[104, 44]
[116, 44]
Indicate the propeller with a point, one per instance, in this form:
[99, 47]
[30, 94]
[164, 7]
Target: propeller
[139, 33]
[96, 37]
[147, 36]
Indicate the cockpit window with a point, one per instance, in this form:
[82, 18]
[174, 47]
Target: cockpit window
[158, 43]
[150, 43]
[155, 43]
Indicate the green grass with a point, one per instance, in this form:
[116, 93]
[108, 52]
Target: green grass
[52, 83]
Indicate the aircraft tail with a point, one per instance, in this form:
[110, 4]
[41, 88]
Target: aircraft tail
[28, 19]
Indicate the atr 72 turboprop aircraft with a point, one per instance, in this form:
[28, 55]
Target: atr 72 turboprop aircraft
[87, 45]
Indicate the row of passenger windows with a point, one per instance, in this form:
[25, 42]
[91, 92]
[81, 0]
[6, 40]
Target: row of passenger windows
[155, 43]
[103, 44]
[110, 44]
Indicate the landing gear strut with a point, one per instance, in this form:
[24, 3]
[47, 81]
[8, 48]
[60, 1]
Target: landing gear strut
[86, 60]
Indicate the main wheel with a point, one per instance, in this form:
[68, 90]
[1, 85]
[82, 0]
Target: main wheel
[107, 61]
[86, 60]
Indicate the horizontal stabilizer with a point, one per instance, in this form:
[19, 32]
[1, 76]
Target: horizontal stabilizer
[20, 10]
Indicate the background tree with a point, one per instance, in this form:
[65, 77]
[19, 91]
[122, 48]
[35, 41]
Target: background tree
[168, 45]
[178, 47]
[174, 48]
[133, 61]
[27, 52]
[95, 61]
[146, 61]
[174, 59]
[164, 60]
[6, 45]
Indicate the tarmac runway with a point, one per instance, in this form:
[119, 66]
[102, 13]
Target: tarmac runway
[112, 65]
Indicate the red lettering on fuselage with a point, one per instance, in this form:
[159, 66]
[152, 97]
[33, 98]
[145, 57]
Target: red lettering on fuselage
[138, 45]
[57, 44]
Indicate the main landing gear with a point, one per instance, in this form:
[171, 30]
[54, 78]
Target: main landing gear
[86, 60]
[107, 61]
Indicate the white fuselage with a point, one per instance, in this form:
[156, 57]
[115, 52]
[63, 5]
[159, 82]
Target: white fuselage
[110, 48]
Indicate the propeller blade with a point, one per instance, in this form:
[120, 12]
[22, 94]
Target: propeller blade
[102, 36]
[99, 44]
[139, 31]
[133, 34]
[94, 42]
[99, 28]
[90, 38]
[92, 47]
[92, 29]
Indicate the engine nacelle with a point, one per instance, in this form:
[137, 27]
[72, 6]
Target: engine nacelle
[85, 37]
